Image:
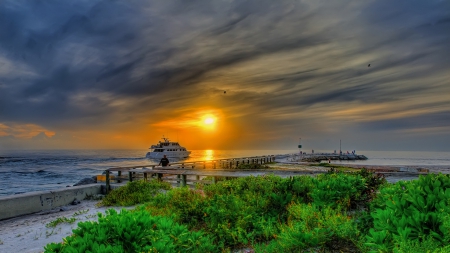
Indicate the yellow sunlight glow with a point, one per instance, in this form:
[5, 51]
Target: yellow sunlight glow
[209, 121]
[205, 119]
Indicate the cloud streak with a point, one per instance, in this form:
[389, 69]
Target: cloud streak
[127, 66]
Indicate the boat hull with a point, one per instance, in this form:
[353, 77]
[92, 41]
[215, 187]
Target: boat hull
[158, 155]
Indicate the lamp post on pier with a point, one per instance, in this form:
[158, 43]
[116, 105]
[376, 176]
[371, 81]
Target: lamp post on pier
[300, 149]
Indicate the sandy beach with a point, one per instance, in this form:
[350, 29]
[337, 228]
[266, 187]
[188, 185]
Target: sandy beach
[29, 234]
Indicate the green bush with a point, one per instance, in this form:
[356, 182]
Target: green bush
[266, 194]
[252, 209]
[315, 229]
[236, 212]
[134, 193]
[230, 219]
[426, 245]
[338, 189]
[185, 205]
[132, 232]
[373, 181]
[408, 214]
[268, 213]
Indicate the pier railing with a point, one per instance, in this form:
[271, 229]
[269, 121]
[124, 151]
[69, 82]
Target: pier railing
[185, 172]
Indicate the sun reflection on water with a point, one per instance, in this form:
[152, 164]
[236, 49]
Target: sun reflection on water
[208, 155]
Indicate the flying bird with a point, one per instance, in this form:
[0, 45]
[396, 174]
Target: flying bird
[368, 65]
[224, 92]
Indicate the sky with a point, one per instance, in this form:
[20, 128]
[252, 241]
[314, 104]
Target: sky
[225, 74]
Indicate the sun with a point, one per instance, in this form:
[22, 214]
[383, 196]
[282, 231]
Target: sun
[209, 120]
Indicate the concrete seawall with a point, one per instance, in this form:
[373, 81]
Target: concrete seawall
[33, 202]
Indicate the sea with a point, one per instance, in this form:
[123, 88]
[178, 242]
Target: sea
[38, 170]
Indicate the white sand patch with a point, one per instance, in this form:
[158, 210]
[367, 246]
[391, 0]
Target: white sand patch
[29, 233]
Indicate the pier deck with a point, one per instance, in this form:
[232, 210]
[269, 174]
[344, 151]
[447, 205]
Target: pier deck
[189, 173]
[194, 169]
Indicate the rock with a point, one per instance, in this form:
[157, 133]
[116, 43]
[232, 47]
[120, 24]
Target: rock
[75, 202]
[88, 180]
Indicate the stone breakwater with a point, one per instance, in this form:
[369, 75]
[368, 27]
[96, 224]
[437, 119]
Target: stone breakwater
[329, 157]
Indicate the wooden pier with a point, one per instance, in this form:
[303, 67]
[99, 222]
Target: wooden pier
[184, 172]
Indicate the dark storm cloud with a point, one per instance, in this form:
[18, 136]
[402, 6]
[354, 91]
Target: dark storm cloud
[45, 49]
[425, 121]
[65, 62]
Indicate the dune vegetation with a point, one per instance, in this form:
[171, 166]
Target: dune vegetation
[332, 212]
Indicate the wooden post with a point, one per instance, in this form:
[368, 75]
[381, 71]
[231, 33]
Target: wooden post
[119, 173]
[107, 181]
[178, 180]
[130, 176]
[159, 176]
[183, 180]
[145, 177]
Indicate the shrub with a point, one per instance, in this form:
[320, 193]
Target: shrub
[184, 204]
[373, 182]
[265, 212]
[236, 212]
[134, 193]
[311, 227]
[338, 189]
[302, 187]
[408, 214]
[132, 232]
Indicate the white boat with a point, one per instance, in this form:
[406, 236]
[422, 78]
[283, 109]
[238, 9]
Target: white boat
[168, 148]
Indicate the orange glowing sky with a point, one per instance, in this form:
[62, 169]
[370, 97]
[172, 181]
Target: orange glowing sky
[225, 75]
